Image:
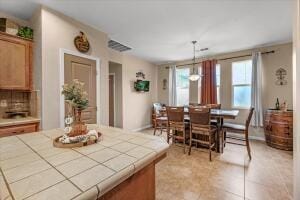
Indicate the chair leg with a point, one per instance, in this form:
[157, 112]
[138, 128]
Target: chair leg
[183, 141]
[222, 140]
[248, 145]
[216, 150]
[168, 135]
[190, 146]
[209, 148]
[224, 135]
[154, 128]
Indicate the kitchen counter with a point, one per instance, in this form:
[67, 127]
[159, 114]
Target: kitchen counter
[12, 122]
[32, 168]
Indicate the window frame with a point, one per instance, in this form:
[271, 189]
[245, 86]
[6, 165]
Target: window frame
[233, 85]
[219, 102]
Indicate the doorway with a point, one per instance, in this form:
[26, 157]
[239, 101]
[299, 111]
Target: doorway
[115, 95]
[83, 69]
[112, 99]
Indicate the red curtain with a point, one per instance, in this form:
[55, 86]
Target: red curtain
[208, 82]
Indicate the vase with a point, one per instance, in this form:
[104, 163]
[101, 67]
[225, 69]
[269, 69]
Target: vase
[77, 114]
[78, 127]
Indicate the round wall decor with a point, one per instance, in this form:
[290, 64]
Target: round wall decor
[81, 43]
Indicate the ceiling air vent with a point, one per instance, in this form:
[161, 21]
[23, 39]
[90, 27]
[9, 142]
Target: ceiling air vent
[117, 46]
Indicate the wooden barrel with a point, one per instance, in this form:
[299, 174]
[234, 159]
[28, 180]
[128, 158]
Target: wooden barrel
[278, 127]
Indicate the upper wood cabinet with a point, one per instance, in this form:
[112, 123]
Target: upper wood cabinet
[15, 63]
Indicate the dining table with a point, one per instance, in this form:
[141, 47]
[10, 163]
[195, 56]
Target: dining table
[219, 115]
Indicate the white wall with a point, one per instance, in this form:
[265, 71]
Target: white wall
[56, 31]
[296, 99]
[137, 106]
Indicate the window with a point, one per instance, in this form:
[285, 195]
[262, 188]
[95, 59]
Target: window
[241, 83]
[218, 81]
[182, 86]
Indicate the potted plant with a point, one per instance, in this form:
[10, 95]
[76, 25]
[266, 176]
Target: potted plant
[77, 99]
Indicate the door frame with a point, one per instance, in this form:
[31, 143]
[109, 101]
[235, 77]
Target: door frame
[114, 75]
[62, 53]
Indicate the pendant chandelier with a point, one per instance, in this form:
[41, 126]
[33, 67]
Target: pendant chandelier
[194, 76]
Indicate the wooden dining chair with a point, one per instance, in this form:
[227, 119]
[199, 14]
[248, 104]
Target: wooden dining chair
[240, 129]
[176, 125]
[160, 118]
[201, 131]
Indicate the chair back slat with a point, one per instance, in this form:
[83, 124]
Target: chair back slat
[175, 114]
[200, 116]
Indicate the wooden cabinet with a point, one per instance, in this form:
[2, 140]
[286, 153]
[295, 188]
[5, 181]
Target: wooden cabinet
[15, 63]
[278, 127]
[18, 129]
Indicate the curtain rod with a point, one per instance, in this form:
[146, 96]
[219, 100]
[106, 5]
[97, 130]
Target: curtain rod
[266, 52]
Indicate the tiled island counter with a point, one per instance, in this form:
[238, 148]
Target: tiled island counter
[120, 166]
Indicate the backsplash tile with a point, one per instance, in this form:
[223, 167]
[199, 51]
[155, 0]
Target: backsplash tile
[18, 100]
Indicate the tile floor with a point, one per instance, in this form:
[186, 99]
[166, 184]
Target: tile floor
[230, 176]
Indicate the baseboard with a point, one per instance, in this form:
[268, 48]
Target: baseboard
[142, 128]
[257, 138]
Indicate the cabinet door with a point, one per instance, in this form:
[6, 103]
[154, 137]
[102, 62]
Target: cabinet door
[15, 65]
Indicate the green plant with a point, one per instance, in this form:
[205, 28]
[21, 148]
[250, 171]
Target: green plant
[75, 95]
[25, 32]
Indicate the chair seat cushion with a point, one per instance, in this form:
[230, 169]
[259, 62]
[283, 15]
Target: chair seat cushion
[234, 126]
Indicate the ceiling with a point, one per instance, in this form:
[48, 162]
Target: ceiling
[161, 31]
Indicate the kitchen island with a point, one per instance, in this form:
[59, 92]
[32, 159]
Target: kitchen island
[120, 166]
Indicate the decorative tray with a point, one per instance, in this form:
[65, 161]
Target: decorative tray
[57, 143]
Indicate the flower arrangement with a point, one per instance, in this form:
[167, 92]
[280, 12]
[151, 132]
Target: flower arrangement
[75, 95]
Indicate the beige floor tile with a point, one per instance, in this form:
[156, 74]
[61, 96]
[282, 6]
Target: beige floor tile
[76, 166]
[104, 155]
[35, 183]
[255, 191]
[91, 177]
[123, 147]
[62, 191]
[213, 193]
[17, 173]
[268, 175]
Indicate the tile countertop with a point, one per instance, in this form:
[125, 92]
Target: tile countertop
[11, 122]
[31, 168]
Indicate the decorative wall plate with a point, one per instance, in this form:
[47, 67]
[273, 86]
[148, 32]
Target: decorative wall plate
[281, 73]
[81, 43]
